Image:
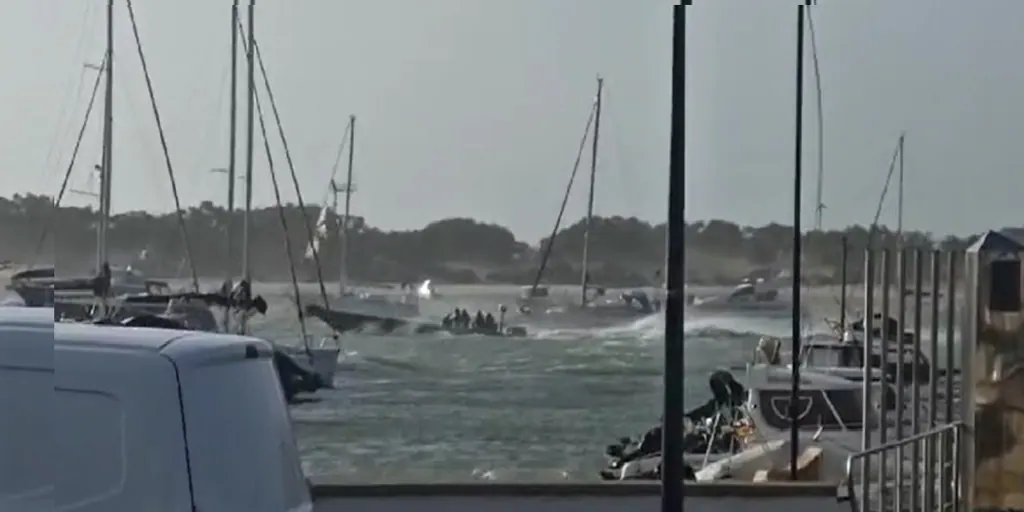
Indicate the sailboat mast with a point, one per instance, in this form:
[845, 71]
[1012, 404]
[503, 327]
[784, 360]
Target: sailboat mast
[250, 104]
[590, 195]
[232, 150]
[343, 272]
[899, 198]
[108, 138]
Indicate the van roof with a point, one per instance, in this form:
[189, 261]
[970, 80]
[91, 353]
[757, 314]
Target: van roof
[170, 342]
[24, 317]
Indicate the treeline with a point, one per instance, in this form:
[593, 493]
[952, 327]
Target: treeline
[623, 251]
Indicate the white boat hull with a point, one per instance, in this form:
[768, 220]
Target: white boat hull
[324, 361]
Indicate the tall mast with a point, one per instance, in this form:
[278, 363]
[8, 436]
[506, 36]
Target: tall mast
[108, 138]
[232, 146]
[250, 103]
[899, 198]
[590, 196]
[347, 188]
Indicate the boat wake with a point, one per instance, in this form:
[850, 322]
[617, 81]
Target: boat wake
[652, 329]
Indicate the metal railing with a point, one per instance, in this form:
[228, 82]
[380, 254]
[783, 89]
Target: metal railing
[933, 483]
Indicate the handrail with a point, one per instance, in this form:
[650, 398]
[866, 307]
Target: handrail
[956, 427]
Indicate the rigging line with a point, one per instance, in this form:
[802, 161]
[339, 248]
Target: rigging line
[611, 119]
[66, 113]
[565, 200]
[820, 206]
[209, 140]
[310, 232]
[885, 190]
[337, 159]
[284, 221]
[163, 145]
[48, 226]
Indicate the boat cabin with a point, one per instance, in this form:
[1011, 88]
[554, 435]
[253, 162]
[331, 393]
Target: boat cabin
[825, 402]
[529, 292]
[850, 356]
[748, 292]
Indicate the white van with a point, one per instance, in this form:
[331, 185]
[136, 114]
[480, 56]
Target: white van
[26, 409]
[162, 420]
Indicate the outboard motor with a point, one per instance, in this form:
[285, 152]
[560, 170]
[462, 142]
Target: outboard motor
[295, 377]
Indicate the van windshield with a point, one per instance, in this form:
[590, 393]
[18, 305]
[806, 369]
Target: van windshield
[241, 447]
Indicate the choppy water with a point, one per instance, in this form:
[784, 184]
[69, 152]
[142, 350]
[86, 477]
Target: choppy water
[440, 408]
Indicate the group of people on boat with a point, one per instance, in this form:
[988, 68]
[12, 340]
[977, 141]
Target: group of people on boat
[461, 319]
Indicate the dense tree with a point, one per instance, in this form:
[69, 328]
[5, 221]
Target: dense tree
[622, 251]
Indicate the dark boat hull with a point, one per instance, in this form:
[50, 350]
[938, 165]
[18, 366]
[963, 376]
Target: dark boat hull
[345, 321]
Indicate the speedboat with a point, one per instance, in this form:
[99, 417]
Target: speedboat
[600, 308]
[379, 305]
[748, 297]
[712, 431]
[831, 415]
[344, 321]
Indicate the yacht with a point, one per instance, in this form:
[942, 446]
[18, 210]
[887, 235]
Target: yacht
[750, 296]
[752, 434]
[844, 354]
[832, 423]
[600, 306]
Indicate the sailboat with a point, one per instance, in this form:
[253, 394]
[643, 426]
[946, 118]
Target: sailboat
[593, 304]
[350, 300]
[321, 359]
[114, 293]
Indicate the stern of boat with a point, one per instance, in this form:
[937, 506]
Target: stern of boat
[324, 362]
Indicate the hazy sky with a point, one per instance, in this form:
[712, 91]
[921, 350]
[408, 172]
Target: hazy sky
[475, 108]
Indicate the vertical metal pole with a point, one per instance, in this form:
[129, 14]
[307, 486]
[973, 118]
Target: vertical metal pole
[797, 317]
[585, 276]
[901, 376]
[672, 488]
[866, 382]
[916, 377]
[931, 475]
[250, 103]
[883, 369]
[343, 270]
[108, 142]
[842, 285]
[899, 199]
[232, 158]
[950, 454]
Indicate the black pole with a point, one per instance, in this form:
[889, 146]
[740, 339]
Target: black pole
[672, 417]
[232, 144]
[794, 431]
[842, 286]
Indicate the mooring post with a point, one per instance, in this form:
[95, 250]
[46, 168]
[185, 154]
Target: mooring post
[992, 375]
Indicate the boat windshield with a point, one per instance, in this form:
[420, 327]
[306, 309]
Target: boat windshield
[528, 292]
[830, 410]
[841, 356]
[743, 292]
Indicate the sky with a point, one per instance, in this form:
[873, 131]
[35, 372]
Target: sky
[475, 108]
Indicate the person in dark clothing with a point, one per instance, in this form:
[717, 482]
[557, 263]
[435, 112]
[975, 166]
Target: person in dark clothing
[446, 322]
[489, 323]
[101, 283]
[478, 321]
[464, 319]
[725, 392]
